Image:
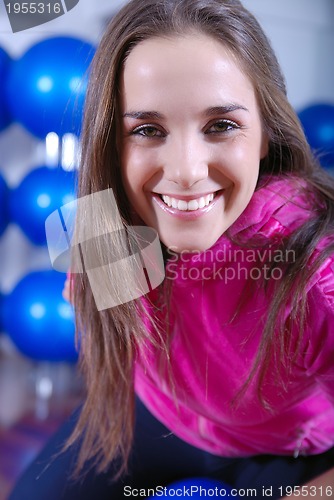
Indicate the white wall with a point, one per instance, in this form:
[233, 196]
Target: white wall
[302, 34]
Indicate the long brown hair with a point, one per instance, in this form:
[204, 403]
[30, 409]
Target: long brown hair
[109, 339]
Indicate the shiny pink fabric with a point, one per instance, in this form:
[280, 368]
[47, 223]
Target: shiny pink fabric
[213, 348]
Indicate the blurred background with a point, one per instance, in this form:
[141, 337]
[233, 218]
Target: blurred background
[43, 76]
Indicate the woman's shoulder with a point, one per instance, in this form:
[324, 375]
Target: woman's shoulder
[318, 337]
[280, 205]
[322, 282]
[291, 203]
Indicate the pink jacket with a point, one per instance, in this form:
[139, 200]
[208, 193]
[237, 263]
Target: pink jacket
[211, 355]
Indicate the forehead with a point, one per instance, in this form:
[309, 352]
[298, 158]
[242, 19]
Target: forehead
[185, 66]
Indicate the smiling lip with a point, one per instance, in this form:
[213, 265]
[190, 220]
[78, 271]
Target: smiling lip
[187, 214]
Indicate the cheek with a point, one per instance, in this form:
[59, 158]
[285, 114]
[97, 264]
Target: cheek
[241, 167]
[138, 166]
[249, 155]
[131, 168]
[239, 163]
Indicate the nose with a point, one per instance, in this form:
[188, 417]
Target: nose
[186, 161]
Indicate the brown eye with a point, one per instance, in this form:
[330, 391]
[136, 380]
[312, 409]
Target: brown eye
[222, 126]
[148, 131]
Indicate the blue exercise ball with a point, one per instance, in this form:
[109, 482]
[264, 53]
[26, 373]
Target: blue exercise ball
[195, 487]
[5, 117]
[41, 192]
[3, 205]
[46, 87]
[38, 320]
[1, 321]
[318, 123]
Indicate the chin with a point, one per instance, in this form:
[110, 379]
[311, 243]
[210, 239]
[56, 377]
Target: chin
[189, 246]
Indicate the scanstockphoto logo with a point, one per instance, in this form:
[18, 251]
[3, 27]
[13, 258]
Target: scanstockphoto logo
[24, 15]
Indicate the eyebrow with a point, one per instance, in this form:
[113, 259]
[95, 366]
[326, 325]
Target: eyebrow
[223, 110]
[212, 111]
[144, 115]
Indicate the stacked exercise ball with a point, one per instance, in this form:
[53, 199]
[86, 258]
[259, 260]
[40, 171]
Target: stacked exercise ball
[37, 318]
[318, 123]
[41, 192]
[43, 90]
[34, 314]
[4, 220]
[5, 117]
[46, 87]
[3, 205]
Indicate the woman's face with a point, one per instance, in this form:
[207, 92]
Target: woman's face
[191, 140]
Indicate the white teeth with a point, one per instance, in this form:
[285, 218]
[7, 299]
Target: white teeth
[191, 205]
[182, 205]
[168, 201]
[201, 202]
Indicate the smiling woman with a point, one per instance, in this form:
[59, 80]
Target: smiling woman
[190, 154]
[187, 120]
